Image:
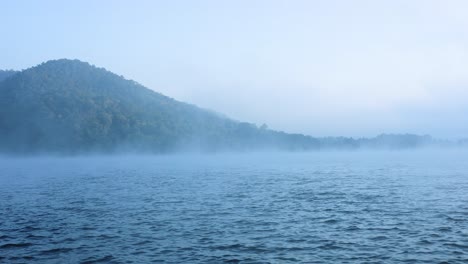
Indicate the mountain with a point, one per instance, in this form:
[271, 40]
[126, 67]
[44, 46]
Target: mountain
[69, 106]
[5, 74]
[72, 106]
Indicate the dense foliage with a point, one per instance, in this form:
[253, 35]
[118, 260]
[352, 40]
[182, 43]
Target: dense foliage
[6, 74]
[70, 106]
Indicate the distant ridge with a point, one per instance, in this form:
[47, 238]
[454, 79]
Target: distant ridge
[70, 106]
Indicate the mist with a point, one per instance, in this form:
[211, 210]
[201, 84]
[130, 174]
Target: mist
[247, 131]
[331, 68]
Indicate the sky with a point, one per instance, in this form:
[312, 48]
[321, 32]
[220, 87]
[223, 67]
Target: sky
[324, 68]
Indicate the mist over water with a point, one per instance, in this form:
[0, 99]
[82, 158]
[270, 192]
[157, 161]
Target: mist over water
[243, 131]
[335, 207]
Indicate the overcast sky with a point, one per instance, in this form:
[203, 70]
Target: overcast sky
[352, 68]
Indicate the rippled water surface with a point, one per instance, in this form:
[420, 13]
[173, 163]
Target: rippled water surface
[382, 207]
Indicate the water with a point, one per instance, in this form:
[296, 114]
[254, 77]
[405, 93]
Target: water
[382, 207]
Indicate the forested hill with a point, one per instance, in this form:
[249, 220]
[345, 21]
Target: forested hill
[69, 106]
[5, 74]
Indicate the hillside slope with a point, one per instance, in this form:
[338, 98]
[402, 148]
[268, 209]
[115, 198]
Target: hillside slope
[6, 73]
[72, 106]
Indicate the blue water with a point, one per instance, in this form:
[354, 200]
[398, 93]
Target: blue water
[350, 207]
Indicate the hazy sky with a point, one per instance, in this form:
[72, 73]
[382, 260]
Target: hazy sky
[353, 68]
